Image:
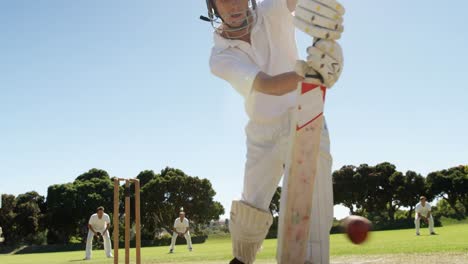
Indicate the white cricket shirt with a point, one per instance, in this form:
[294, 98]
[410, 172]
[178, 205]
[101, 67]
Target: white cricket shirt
[181, 226]
[423, 210]
[272, 50]
[99, 224]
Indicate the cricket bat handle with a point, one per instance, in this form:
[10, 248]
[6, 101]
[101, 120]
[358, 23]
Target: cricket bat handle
[313, 77]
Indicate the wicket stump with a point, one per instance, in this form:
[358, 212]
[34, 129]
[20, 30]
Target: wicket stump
[136, 183]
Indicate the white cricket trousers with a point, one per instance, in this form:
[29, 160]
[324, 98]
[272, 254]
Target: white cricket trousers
[187, 236]
[267, 147]
[107, 243]
[417, 223]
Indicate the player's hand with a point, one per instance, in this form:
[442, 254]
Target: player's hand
[320, 18]
[326, 58]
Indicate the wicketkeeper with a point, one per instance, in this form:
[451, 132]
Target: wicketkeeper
[423, 212]
[98, 225]
[255, 51]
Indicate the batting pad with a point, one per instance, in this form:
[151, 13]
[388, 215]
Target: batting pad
[248, 226]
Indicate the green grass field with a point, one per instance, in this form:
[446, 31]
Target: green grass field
[399, 246]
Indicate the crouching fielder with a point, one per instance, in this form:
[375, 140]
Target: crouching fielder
[98, 225]
[255, 51]
[423, 211]
[182, 229]
[1, 235]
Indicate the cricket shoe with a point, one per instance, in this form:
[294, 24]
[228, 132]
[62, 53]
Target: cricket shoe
[236, 261]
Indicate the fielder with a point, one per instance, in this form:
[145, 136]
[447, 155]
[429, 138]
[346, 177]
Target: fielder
[423, 212]
[98, 225]
[255, 51]
[182, 229]
[1, 235]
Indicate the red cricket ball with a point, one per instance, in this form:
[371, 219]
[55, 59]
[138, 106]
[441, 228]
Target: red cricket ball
[357, 228]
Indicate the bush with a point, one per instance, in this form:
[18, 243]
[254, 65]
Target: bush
[39, 239]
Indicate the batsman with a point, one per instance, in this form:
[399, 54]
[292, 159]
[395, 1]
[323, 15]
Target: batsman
[255, 51]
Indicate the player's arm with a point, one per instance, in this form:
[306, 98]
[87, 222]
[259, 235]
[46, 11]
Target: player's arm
[278, 84]
[245, 76]
[187, 227]
[291, 5]
[90, 225]
[107, 220]
[174, 227]
[107, 228]
[91, 228]
[429, 213]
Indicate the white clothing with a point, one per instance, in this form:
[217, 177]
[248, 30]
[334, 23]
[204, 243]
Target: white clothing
[272, 50]
[181, 226]
[267, 147]
[424, 211]
[99, 224]
[417, 223]
[187, 236]
[107, 243]
[248, 226]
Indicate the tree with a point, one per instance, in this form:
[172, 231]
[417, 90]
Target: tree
[342, 190]
[62, 204]
[166, 193]
[21, 217]
[413, 187]
[93, 174]
[377, 192]
[451, 185]
[70, 205]
[93, 192]
[28, 215]
[443, 208]
[145, 176]
[387, 180]
[7, 218]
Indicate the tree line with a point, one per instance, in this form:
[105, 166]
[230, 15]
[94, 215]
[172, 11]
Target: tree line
[62, 217]
[381, 193]
[384, 194]
[388, 197]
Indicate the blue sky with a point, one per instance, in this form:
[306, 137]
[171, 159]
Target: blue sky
[125, 86]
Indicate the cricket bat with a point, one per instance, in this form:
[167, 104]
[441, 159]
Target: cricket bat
[300, 173]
